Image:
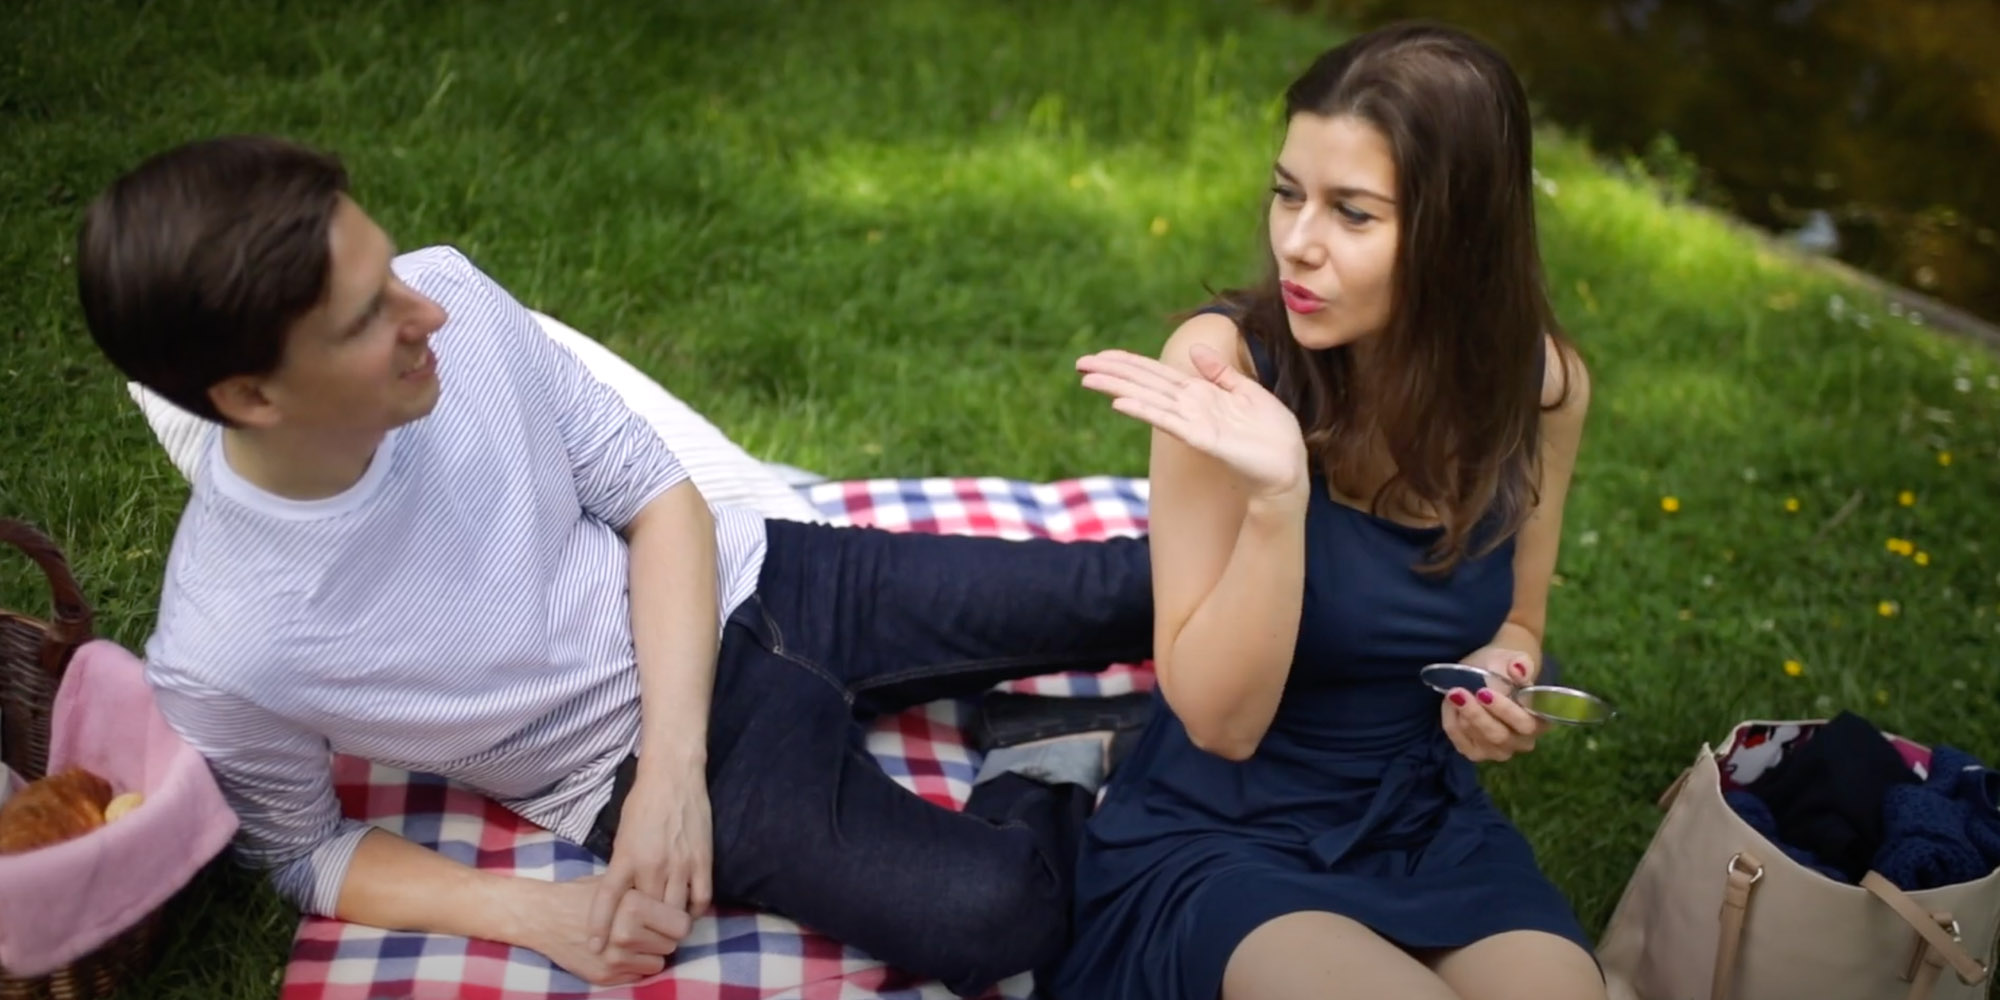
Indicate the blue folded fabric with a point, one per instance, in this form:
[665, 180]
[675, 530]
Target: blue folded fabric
[1945, 830]
[1757, 814]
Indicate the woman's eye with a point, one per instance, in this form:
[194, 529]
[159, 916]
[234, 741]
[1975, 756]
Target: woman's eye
[1285, 192]
[1354, 216]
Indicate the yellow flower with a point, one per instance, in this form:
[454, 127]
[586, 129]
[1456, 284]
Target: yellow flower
[1922, 558]
[1159, 227]
[1907, 498]
[1888, 609]
[1793, 668]
[1791, 505]
[1671, 505]
[1881, 696]
[1900, 546]
[1944, 458]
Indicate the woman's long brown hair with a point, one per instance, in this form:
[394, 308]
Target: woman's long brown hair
[1456, 395]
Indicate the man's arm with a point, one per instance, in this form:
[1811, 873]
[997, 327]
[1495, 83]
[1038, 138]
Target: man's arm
[665, 832]
[277, 777]
[397, 884]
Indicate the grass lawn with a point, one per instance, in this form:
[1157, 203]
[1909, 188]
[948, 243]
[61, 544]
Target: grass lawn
[869, 239]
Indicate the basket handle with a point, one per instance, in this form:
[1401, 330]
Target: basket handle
[71, 625]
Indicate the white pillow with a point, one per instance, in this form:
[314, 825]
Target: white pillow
[725, 473]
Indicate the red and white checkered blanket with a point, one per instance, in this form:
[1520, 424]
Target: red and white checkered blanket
[738, 955]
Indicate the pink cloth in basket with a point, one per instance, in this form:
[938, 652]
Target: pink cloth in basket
[63, 901]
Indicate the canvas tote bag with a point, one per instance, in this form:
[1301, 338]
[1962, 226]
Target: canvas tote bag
[1715, 911]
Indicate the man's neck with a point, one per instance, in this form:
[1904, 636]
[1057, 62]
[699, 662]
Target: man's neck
[298, 465]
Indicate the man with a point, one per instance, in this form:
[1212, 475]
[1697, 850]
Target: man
[424, 535]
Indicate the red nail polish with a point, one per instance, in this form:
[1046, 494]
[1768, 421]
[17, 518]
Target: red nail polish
[1520, 670]
[1458, 698]
[1486, 696]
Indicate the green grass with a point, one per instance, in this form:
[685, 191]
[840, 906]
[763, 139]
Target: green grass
[869, 239]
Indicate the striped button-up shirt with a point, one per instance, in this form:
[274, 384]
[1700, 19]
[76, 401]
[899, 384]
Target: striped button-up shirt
[460, 610]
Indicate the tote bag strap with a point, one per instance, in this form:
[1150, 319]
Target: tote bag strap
[1938, 939]
[1745, 871]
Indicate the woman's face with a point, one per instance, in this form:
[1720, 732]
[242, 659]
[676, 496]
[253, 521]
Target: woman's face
[1333, 229]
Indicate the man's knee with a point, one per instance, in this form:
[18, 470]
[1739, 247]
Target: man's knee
[987, 926]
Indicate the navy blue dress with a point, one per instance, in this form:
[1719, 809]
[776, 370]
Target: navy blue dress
[1355, 803]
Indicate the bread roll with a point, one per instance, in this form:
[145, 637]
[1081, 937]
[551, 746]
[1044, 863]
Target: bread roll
[56, 808]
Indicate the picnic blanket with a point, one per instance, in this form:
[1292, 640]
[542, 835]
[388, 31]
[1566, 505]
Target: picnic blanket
[737, 955]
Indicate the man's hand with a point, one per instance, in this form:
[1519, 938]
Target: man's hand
[663, 851]
[552, 917]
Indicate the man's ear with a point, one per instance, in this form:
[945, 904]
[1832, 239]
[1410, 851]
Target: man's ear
[242, 401]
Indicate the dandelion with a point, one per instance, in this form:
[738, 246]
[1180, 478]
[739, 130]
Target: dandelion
[1749, 474]
[1922, 558]
[1900, 546]
[1792, 505]
[1944, 458]
[1888, 609]
[1671, 505]
[1962, 384]
[1159, 226]
[1708, 581]
[1907, 498]
[1794, 668]
[1588, 539]
[1881, 696]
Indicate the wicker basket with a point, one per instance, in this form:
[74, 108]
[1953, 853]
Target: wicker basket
[33, 656]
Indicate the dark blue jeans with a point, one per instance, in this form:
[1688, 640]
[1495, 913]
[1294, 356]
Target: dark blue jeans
[848, 624]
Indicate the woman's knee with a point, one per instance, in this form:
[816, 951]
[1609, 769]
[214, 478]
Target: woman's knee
[1519, 965]
[1324, 956]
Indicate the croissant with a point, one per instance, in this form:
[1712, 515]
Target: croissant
[54, 809]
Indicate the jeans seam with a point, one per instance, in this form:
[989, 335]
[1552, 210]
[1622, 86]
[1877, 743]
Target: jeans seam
[939, 670]
[778, 650]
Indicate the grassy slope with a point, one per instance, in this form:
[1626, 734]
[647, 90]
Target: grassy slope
[869, 239]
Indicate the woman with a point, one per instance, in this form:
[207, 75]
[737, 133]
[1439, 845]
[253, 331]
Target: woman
[1358, 468]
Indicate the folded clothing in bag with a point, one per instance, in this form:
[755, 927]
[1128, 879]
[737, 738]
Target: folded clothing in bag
[1847, 800]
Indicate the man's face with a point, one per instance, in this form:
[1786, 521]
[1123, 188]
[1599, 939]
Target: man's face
[360, 362]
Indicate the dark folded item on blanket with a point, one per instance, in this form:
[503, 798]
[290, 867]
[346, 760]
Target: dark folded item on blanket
[1944, 831]
[1007, 718]
[1827, 796]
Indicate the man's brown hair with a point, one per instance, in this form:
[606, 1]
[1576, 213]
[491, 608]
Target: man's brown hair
[193, 265]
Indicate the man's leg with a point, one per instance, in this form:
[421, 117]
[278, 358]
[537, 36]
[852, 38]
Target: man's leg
[809, 826]
[908, 618]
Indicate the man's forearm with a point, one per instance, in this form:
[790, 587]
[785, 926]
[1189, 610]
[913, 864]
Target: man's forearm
[395, 884]
[674, 615]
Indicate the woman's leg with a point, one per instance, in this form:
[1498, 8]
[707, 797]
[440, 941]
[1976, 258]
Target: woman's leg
[1324, 956]
[1521, 965]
